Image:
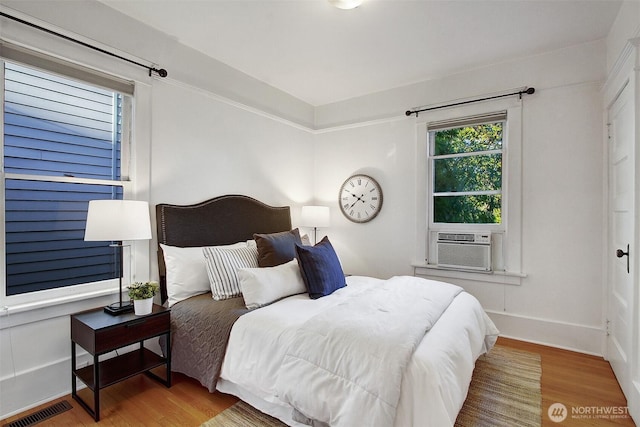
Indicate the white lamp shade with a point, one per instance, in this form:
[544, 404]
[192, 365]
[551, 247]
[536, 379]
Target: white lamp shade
[315, 216]
[117, 220]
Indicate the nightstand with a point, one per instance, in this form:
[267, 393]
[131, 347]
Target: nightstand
[99, 333]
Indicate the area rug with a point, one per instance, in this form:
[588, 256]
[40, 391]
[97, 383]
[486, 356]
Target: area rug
[504, 391]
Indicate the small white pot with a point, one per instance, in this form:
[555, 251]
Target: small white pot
[142, 306]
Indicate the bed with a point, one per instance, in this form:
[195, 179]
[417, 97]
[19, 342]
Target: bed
[358, 356]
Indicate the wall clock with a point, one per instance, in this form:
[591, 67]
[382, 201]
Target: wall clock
[360, 198]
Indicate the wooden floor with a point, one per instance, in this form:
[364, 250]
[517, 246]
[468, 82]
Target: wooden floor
[573, 379]
[578, 381]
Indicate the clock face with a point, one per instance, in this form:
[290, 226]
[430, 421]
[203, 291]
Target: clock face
[360, 198]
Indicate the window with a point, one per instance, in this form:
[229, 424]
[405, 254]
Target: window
[465, 161]
[64, 143]
[471, 174]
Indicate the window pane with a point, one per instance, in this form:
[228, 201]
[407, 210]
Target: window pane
[482, 209]
[469, 139]
[55, 127]
[469, 173]
[45, 244]
[58, 127]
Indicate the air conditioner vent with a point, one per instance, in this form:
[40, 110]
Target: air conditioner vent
[464, 251]
[482, 238]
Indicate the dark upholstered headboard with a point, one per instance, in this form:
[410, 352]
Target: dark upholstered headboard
[219, 221]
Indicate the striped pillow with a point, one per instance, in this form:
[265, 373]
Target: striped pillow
[222, 268]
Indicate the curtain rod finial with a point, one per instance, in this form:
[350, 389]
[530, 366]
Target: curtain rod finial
[161, 72]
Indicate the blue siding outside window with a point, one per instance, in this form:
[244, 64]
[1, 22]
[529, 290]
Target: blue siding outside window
[56, 127]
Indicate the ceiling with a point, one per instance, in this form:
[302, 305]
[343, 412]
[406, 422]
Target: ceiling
[321, 54]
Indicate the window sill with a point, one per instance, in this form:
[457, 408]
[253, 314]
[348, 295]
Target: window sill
[498, 277]
[12, 315]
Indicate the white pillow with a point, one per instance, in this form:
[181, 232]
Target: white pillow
[222, 268]
[305, 240]
[186, 271]
[262, 286]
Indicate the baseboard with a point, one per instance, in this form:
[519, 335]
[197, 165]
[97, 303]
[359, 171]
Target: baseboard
[34, 387]
[27, 389]
[567, 336]
[30, 388]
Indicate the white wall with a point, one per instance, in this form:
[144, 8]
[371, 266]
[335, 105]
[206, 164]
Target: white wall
[203, 148]
[559, 302]
[386, 151]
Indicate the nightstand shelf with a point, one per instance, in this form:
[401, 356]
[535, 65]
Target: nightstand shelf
[121, 367]
[100, 333]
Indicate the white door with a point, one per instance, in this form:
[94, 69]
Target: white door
[622, 330]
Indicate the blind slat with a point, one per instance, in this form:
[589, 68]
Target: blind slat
[480, 119]
[28, 57]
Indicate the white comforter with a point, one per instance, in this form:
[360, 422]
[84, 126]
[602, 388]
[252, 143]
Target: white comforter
[351, 357]
[433, 385]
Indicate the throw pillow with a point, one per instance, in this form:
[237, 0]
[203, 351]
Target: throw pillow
[277, 248]
[262, 286]
[186, 271]
[320, 268]
[222, 267]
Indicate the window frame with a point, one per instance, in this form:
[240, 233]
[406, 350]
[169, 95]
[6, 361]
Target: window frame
[507, 236]
[83, 291]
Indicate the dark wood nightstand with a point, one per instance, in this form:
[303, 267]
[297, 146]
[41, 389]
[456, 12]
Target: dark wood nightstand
[99, 333]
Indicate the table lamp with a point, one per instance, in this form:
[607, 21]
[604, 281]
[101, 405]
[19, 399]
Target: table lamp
[316, 217]
[117, 221]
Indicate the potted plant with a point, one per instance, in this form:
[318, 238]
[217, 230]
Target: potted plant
[142, 296]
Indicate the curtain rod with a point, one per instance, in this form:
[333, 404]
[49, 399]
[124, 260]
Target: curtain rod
[527, 91]
[161, 72]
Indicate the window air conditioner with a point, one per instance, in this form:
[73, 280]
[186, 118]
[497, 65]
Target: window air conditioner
[464, 251]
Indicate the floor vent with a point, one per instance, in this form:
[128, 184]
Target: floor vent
[41, 415]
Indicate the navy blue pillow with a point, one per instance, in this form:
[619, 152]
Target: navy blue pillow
[320, 268]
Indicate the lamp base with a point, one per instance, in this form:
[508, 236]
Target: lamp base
[118, 308]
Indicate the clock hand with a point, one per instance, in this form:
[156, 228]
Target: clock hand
[359, 200]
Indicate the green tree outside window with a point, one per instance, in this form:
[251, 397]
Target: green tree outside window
[467, 174]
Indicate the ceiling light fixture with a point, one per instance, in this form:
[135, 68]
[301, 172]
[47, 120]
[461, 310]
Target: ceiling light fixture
[346, 4]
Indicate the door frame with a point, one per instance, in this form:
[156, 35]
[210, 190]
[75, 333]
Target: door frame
[626, 71]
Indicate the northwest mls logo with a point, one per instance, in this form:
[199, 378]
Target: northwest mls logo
[557, 412]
